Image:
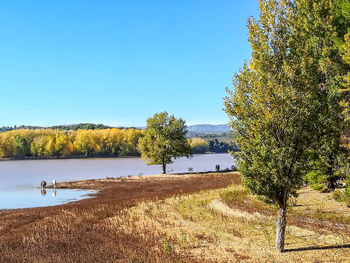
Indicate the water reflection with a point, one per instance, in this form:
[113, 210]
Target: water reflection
[34, 197]
[43, 192]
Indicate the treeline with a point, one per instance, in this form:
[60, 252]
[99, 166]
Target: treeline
[221, 147]
[113, 142]
[222, 137]
[75, 127]
[50, 143]
[200, 145]
[82, 126]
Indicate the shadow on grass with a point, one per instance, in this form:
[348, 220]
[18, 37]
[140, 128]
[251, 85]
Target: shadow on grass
[316, 248]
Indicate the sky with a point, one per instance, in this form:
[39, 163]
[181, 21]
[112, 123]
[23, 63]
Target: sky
[118, 62]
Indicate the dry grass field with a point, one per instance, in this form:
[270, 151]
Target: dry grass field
[187, 218]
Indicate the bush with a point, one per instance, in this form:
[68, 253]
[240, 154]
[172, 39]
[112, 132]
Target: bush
[316, 180]
[314, 177]
[339, 195]
[319, 187]
[342, 196]
[347, 191]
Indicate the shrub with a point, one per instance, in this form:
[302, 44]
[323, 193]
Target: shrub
[319, 187]
[347, 191]
[314, 177]
[339, 195]
[316, 180]
[342, 196]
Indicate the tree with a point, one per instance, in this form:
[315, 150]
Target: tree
[283, 97]
[164, 139]
[198, 145]
[323, 25]
[21, 147]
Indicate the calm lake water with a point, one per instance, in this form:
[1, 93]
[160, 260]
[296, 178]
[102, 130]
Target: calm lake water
[19, 179]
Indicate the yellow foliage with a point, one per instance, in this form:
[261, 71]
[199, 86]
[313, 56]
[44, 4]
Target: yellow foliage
[198, 145]
[44, 143]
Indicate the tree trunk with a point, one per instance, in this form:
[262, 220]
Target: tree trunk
[332, 180]
[281, 228]
[164, 167]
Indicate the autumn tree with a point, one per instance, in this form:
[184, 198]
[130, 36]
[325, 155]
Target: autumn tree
[48, 143]
[164, 139]
[283, 98]
[198, 145]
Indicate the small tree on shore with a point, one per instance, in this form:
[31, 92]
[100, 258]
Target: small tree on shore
[164, 139]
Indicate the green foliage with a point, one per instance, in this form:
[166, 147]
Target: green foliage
[315, 177]
[21, 147]
[347, 191]
[287, 92]
[221, 147]
[341, 196]
[319, 187]
[81, 126]
[342, 18]
[287, 101]
[217, 142]
[316, 180]
[75, 127]
[164, 139]
[271, 107]
[331, 157]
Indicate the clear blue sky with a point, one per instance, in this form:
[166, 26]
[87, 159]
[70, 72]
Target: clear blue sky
[118, 62]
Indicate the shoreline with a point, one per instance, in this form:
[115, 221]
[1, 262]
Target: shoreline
[95, 184]
[73, 157]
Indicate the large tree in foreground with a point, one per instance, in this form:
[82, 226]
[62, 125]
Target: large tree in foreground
[164, 139]
[280, 104]
[323, 25]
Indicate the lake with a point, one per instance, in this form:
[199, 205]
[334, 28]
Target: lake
[19, 179]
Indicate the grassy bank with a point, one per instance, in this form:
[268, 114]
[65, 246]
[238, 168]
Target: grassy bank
[187, 218]
[242, 228]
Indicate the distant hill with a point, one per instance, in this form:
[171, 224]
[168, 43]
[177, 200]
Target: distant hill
[208, 128]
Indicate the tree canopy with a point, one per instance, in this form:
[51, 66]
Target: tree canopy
[286, 100]
[49, 143]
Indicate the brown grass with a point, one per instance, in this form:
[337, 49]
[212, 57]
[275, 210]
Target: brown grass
[83, 231]
[199, 227]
